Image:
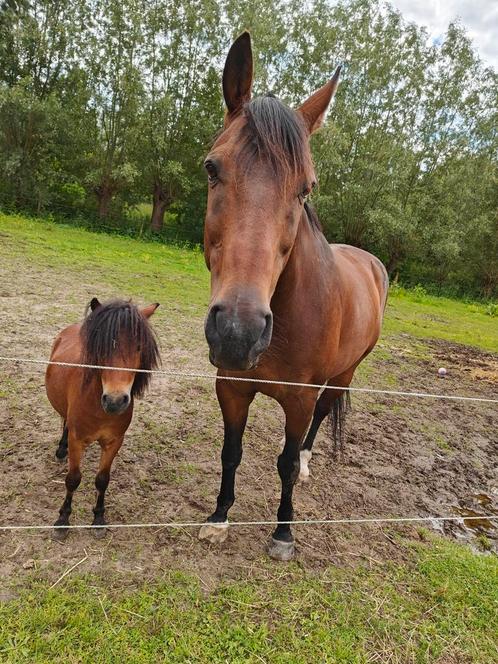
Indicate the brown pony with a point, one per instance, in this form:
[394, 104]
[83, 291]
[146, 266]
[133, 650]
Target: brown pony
[285, 305]
[98, 404]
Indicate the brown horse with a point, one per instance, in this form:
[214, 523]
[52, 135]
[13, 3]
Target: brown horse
[98, 404]
[285, 305]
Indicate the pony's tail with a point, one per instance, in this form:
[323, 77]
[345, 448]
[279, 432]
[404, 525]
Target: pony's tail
[337, 419]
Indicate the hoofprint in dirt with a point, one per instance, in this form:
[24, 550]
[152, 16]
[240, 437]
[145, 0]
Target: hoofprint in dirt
[402, 457]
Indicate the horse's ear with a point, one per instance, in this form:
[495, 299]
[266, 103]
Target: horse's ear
[315, 107]
[149, 310]
[237, 75]
[94, 304]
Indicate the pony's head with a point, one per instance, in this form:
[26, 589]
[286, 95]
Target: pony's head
[118, 334]
[260, 172]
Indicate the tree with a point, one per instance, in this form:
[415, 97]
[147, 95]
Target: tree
[181, 108]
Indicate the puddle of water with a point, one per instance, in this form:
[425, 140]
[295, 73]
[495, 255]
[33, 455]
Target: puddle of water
[472, 526]
[473, 520]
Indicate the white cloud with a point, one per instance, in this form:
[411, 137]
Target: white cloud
[479, 17]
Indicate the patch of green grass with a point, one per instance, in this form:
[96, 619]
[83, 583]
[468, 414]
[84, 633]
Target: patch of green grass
[442, 604]
[440, 318]
[178, 277]
[148, 270]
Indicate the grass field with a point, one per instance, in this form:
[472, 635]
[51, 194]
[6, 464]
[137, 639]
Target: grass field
[406, 596]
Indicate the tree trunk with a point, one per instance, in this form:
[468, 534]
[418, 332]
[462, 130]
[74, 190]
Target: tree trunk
[104, 197]
[160, 204]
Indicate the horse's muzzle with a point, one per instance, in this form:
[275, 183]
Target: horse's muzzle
[115, 404]
[237, 339]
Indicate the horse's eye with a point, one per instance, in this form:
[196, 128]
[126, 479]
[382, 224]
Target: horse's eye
[307, 189]
[212, 172]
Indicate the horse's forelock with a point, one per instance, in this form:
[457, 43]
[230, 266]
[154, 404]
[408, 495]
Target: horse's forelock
[276, 134]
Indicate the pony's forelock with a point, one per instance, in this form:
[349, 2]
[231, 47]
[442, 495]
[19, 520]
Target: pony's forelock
[102, 330]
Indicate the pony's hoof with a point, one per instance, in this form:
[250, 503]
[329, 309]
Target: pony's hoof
[279, 550]
[99, 533]
[61, 453]
[59, 534]
[216, 533]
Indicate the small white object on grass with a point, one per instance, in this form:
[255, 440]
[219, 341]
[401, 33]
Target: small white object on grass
[441, 372]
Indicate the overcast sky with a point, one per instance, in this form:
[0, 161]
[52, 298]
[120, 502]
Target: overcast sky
[480, 18]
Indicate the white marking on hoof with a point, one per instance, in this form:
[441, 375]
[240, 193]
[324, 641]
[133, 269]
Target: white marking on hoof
[216, 533]
[304, 471]
[283, 551]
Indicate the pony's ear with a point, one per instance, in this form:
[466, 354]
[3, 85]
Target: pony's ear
[315, 107]
[149, 310]
[237, 75]
[94, 304]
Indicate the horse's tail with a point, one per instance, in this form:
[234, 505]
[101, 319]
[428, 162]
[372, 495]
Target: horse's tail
[337, 419]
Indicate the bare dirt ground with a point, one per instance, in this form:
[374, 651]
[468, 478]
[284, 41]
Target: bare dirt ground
[403, 457]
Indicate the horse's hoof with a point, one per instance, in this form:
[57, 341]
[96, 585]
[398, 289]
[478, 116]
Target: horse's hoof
[99, 533]
[304, 475]
[304, 471]
[61, 453]
[216, 533]
[60, 534]
[279, 550]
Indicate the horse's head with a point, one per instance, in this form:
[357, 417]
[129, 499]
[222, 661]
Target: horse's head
[118, 334]
[259, 171]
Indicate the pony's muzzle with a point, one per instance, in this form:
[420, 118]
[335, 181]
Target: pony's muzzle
[115, 403]
[237, 338]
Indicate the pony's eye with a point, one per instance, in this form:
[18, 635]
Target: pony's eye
[212, 172]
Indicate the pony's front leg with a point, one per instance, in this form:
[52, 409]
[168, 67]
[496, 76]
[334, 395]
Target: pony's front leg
[234, 407]
[108, 451]
[73, 479]
[298, 413]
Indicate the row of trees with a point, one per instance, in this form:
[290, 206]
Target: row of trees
[105, 104]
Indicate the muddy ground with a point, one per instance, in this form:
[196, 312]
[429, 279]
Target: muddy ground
[402, 457]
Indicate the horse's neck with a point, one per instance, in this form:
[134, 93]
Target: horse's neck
[310, 266]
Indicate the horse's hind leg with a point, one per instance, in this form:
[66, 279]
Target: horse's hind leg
[73, 479]
[324, 406]
[108, 451]
[322, 409]
[61, 452]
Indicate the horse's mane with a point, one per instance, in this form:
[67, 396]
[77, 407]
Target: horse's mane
[277, 135]
[110, 324]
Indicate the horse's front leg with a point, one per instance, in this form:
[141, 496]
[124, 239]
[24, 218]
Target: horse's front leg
[73, 479]
[108, 451]
[298, 412]
[234, 407]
